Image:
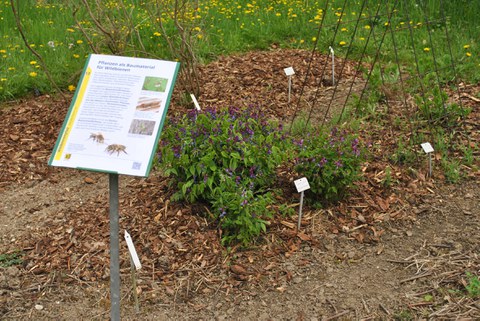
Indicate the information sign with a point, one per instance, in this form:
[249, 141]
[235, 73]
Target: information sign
[116, 115]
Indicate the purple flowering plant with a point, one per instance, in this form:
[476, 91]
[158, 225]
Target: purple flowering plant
[226, 157]
[331, 162]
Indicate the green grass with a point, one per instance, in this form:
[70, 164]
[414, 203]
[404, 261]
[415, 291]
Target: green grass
[223, 27]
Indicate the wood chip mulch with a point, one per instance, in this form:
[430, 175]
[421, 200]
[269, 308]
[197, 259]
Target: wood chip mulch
[179, 245]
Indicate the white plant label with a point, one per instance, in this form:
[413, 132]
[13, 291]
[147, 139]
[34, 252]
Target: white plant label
[427, 148]
[302, 184]
[195, 102]
[133, 252]
[289, 71]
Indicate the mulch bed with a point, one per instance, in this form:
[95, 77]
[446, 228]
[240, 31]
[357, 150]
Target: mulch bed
[179, 246]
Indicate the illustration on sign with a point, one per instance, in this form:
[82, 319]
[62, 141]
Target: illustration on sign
[116, 116]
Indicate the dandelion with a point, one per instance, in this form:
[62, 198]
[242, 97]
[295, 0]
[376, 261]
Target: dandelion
[344, 29]
[386, 24]
[466, 46]
[342, 43]
[157, 34]
[468, 54]
[3, 51]
[33, 74]
[314, 38]
[33, 62]
[3, 79]
[426, 49]
[76, 56]
[79, 42]
[11, 68]
[70, 30]
[199, 36]
[367, 27]
[278, 14]
[71, 88]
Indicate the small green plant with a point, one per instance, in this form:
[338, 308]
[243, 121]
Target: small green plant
[473, 285]
[387, 180]
[226, 157]
[451, 169]
[403, 315]
[468, 157]
[9, 259]
[434, 107]
[331, 162]
[403, 155]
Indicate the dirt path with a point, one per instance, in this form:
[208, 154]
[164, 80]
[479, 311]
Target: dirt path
[338, 277]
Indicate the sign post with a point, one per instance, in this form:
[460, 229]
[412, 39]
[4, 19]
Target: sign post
[113, 125]
[114, 249]
[302, 185]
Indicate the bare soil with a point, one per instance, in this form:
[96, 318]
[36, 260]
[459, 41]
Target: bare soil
[387, 252]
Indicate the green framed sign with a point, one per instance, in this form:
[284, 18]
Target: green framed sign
[116, 116]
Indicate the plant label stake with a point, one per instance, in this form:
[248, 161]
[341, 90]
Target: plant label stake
[428, 149]
[289, 72]
[302, 185]
[195, 102]
[135, 265]
[333, 64]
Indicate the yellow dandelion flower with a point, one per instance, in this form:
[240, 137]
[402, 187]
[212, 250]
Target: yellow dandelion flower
[79, 42]
[157, 34]
[314, 38]
[71, 88]
[426, 49]
[3, 79]
[70, 30]
[278, 14]
[386, 24]
[76, 56]
[367, 27]
[199, 36]
[302, 41]
[342, 43]
[468, 54]
[344, 29]
[33, 74]
[3, 51]
[33, 62]
[11, 68]
[466, 46]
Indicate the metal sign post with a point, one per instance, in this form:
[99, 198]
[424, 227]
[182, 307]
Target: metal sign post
[114, 250]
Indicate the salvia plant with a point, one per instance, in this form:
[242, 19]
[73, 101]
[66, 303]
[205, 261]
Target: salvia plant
[226, 157]
[331, 162]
